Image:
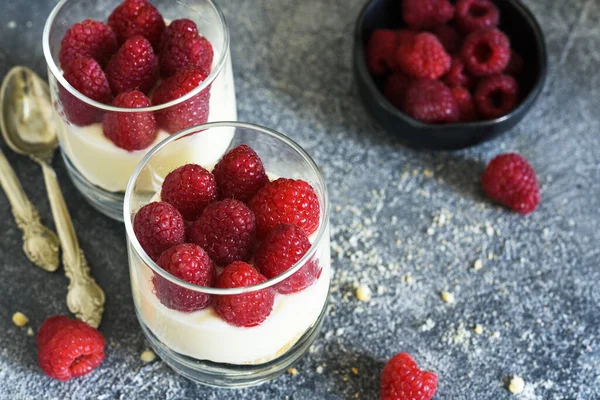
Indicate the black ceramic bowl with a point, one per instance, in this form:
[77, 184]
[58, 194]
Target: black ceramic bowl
[526, 38]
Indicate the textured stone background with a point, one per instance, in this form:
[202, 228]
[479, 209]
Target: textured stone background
[539, 285]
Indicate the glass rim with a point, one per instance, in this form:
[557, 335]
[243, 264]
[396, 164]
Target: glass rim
[53, 67]
[269, 283]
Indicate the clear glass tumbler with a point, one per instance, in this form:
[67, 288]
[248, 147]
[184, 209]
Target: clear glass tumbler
[99, 169]
[200, 345]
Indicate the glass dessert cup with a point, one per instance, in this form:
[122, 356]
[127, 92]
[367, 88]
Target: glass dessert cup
[200, 345]
[99, 169]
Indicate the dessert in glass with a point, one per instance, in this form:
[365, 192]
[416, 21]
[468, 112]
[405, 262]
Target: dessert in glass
[125, 75]
[229, 253]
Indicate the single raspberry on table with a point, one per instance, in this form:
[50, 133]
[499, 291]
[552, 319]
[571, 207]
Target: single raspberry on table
[486, 52]
[283, 247]
[382, 47]
[68, 348]
[189, 188]
[137, 18]
[134, 67]
[286, 201]
[402, 379]
[191, 264]
[395, 88]
[240, 174]
[183, 47]
[496, 96]
[425, 14]
[191, 112]
[226, 230]
[130, 130]
[457, 75]
[511, 181]
[465, 104]
[430, 102]
[87, 39]
[475, 15]
[158, 226]
[516, 64]
[423, 57]
[86, 76]
[247, 309]
[448, 37]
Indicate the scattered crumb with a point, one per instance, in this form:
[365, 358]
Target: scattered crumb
[354, 371]
[19, 319]
[356, 395]
[447, 297]
[319, 370]
[478, 264]
[148, 356]
[363, 293]
[430, 231]
[428, 325]
[489, 230]
[478, 329]
[292, 371]
[428, 173]
[496, 335]
[345, 378]
[30, 332]
[339, 331]
[516, 385]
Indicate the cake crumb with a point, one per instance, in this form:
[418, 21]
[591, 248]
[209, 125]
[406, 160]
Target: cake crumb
[148, 356]
[30, 332]
[345, 378]
[428, 173]
[516, 385]
[319, 370]
[339, 331]
[363, 293]
[356, 395]
[489, 230]
[478, 264]
[292, 371]
[496, 335]
[478, 329]
[354, 370]
[447, 297]
[19, 319]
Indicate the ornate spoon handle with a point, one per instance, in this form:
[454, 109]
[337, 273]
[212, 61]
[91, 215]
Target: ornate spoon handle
[40, 244]
[85, 298]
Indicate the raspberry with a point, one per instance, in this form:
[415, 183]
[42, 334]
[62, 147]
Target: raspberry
[226, 231]
[130, 130]
[402, 379]
[423, 57]
[190, 263]
[282, 249]
[516, 64]
[486, 52]
[158, 226]
[248, 309]
[381, 49]
[395, 88]
[475, 15]
[431, 102]
[286, 201]
[137, 17]
[134, 67]
[190, 188]
[457, 76]
[86, 76]
[87, 39]
[465, 104]
[240, 174]
[511, 181]
[191, 112]
[425, 14]
[448, 37]
[496, 96]
[68, 348]
[182, 47]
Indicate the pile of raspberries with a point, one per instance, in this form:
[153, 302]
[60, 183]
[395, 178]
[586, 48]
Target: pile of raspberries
[450, 63]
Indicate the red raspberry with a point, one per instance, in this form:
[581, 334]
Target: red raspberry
[134, 67]
[240, 174]
[87, 39]
[190, 263]
[183, 47]
[86, 76]
[130, 130]
[190, 188]
[457, 76]
[496, 96]
[516, 64]
[68, 348]
[465, 104]
[191, 112]
[423, 57]
[248, 309]
[395, 88]
[283, 247]
[486, 52]
[381, 49]
[448, 37]
[425, 14]
[475, 15]
[511, 181]
[226, 231]
[402, 379]
[286, 201]
[158, 226]
[137, 18]
[431, 102]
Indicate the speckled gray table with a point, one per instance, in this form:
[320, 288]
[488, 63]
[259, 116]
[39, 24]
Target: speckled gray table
[408, 224]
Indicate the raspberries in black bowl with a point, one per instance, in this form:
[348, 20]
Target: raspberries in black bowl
[446, 74]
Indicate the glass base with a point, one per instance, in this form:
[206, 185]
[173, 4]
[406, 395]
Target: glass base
[233, 376]
[108, 203]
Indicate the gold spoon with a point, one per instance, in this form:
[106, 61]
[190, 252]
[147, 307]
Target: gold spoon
[28, 128]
